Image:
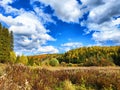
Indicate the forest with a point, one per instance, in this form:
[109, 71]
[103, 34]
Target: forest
[84, 56]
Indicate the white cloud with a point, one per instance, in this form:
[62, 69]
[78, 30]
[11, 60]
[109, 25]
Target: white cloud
[107, 36]
[44, 18]
[39, 50]
[48, 49]
[100, 18]
[71, 45]
[26, 24]
[101, 22]
[9, 9]
[65, 10]
[105, 12]
[28, 27]
[101, 10]
[107, 31]
[4, 2]
[29, 32]
[116, 22]
[91, 4]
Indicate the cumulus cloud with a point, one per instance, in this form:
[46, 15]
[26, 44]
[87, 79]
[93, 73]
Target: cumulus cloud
[65, 10]
[91, 4]
[6, 2]
[39, 50]
[29, 31]
[9, 9]
[107, 31]
[105, 12]
[71, 45]
[44, 18]
[48, 49]
[101, 20]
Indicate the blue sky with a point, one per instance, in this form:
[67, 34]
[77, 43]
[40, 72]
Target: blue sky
[56, 26]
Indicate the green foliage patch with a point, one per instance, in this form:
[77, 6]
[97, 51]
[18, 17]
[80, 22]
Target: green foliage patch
[54, 62]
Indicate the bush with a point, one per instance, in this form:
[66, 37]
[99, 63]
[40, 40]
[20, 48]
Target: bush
[63, 64]
[54, 62]
[70, 65]
[68, 85]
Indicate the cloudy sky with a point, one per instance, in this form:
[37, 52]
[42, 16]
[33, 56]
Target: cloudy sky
[56, 26]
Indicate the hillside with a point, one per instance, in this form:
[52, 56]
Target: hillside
[85, 56]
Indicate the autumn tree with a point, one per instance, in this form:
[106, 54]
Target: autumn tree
[12, 57]
[22, 59]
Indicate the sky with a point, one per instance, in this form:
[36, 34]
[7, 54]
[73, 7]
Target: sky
[57, 26]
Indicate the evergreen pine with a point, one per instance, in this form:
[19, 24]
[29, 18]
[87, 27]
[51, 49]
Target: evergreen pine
[6, 44]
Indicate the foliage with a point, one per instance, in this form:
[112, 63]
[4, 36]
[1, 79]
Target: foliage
[43, 59]
[68, 85]
[93, 56]
[84, 56]
[12, 57]
[54, 62]
[22, 59]
[63, 64]
[6, 44]
[69, 64]
[30, 61]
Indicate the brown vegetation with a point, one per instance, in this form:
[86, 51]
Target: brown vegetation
[20, 77]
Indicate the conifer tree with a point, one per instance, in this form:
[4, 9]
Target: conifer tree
[11, 41]
[6, 44]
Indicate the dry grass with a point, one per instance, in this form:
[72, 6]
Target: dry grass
[19, 77]
[108, 68]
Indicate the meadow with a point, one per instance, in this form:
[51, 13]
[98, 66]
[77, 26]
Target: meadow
[20, 77]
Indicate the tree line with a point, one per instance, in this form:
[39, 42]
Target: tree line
[93, 56]
[84, 56]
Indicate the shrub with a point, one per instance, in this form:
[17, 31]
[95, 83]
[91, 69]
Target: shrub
[45, 62]
[70, 65]
[68, 85]
[63, 64]
[54, 62]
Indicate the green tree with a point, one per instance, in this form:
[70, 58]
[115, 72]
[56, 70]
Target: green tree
[22, 59]
[12, 57]
[11, 41]
[6, 44]
[30, 61]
